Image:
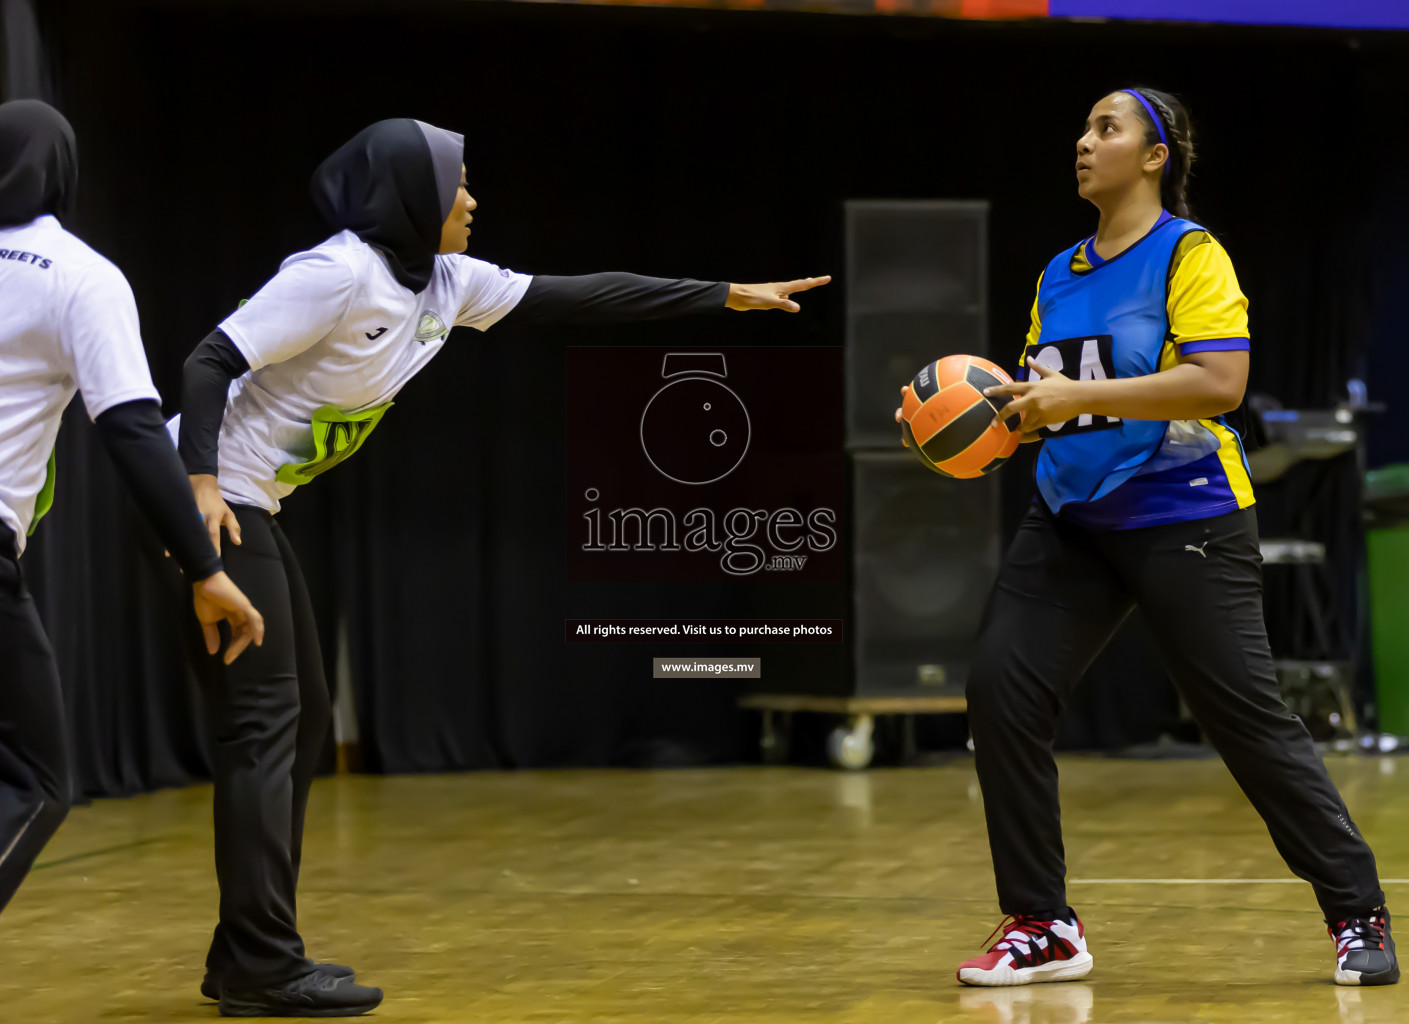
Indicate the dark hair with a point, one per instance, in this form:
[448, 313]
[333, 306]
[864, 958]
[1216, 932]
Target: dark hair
[1180, 133]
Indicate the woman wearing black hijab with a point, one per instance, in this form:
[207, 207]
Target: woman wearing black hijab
[289, 385]
[68, 323]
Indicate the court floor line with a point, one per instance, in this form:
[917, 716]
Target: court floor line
[1208, 881]
[91, 854]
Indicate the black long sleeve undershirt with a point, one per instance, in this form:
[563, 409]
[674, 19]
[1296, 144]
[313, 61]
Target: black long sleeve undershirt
[594, 298]
[136, 438]
[588, 298]
[205, 384]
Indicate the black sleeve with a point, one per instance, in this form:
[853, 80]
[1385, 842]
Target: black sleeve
[614, 296]
[204, 386]
[136, 438]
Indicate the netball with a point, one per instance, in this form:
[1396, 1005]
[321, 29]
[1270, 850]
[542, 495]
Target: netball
[948, 423]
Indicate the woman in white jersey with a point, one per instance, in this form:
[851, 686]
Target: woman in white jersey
[68, 322]
[289, 385]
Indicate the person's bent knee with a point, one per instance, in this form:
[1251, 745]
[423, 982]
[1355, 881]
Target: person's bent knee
[255, 726]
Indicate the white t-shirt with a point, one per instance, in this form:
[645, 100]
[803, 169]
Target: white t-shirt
[68, 323]
[334, 328]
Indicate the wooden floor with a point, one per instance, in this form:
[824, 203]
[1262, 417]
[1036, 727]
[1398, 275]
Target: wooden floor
[757, 894]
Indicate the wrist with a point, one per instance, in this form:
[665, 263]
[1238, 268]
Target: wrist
[214, 570]
[1092, 397]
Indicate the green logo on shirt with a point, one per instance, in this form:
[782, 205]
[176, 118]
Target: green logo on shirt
[336, 435]
[431, 327]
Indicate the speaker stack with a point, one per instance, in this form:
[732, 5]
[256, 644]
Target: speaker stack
[925, 549]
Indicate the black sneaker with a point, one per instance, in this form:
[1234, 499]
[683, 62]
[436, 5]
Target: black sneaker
[316, 994]
[210, 984]
[1365, 950]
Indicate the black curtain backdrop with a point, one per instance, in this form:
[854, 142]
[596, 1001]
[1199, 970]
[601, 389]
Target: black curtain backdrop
[716, 145]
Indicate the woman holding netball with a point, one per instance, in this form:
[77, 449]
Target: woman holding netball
[1138, 346]
[288, 386]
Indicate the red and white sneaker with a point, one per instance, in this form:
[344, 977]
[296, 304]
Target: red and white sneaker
[1031, 950]
[1365, 950]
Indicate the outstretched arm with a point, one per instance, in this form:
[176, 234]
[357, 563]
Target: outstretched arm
[614, 296]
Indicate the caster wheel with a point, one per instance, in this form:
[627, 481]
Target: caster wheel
[851, 746]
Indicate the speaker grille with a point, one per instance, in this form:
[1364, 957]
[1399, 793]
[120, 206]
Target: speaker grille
[917, 286]
[925, 556]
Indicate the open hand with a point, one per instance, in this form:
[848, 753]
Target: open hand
[772, 296]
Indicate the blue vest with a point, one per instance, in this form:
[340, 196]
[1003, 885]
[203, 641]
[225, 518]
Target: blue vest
[1110, 321]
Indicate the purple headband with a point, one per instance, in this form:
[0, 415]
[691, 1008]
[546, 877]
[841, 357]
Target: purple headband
[1159, 125]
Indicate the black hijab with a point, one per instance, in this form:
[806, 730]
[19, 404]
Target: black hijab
[38, 162]
[393, 185]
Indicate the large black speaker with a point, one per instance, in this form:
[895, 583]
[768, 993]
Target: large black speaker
[925, 553]
[925, 549]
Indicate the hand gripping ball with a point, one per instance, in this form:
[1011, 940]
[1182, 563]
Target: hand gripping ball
[947, 422]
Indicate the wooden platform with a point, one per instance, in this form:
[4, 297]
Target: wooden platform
[765, 895]
[850, 746]
[911, 705]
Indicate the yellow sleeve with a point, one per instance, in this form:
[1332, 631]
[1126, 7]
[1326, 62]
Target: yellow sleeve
[1205, 302]
[1034, 331]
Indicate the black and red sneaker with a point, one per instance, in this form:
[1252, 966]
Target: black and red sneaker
[1031, 950]
[1365, 950]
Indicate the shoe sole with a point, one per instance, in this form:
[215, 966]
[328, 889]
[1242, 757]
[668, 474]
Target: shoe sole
[1077, 967]
[1359, 978]
[238, 1008]
[211, 989]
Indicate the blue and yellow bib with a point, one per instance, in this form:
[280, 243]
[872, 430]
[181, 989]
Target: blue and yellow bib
[1172, 292]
